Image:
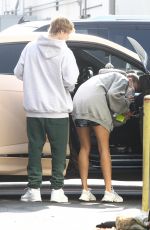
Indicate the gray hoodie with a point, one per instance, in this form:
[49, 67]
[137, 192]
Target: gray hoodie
[49, 72]
[99, 97]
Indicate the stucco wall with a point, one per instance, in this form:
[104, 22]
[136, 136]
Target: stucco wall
[75, 8]
[132, 7]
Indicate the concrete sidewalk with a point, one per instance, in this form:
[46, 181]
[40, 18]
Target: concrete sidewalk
[75, 215]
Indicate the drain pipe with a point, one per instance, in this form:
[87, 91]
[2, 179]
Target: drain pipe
[19, 7]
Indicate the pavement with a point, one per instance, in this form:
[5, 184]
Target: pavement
[75, 215]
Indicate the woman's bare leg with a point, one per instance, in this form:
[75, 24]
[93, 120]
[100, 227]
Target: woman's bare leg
[102, 136]
[83, 160]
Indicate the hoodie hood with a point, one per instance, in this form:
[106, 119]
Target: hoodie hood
[50, 48]
[109, 68]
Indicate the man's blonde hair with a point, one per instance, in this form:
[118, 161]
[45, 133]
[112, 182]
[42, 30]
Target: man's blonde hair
[61, 24]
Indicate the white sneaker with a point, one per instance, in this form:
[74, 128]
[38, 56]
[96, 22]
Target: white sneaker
[112, 197]
[32, 195]
[86, 195]
[58, 196]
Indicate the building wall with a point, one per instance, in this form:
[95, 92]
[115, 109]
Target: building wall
[7, 20]
[71, 8]
[97, 7]
[44, 10]
[48, 8]
[74, 9]
[132, 7]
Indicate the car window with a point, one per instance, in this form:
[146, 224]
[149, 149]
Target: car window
[9, 55]
[42, 28]
[95, 58]
[107, 57]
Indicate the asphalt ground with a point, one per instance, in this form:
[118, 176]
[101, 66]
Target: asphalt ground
[75, 215]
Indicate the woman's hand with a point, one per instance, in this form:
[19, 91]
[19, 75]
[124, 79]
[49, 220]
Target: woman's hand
[128, 115]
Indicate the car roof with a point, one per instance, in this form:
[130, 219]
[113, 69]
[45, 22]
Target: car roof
[75, 37]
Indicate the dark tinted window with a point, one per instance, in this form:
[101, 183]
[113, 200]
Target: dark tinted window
[9, 55]
[118, 31]
[96, 57]
[108, 57]
[119, 36]
[42, 28]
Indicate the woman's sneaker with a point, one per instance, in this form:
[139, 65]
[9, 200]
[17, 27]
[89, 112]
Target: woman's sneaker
[86, 195]
[57, 195]
[112, 197]
[32, 195]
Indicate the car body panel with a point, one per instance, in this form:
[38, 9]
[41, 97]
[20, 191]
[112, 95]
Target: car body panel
[17, 166]
[14, 150]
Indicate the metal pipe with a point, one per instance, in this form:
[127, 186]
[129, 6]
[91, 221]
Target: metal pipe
[43, 6]
[85, 8]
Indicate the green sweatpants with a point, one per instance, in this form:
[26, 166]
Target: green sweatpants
[56, 129]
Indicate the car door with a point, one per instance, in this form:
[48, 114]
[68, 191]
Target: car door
[125, 141]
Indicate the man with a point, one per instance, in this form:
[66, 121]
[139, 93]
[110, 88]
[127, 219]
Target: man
[49, 72]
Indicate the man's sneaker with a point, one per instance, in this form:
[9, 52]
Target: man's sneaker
[32, 195]
[87, 196]
[58, 196]
[112, 197]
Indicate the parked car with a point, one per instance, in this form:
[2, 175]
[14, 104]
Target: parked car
[113, 27]
[91, 52]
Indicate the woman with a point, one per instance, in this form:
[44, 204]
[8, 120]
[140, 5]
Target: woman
[95, 103]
